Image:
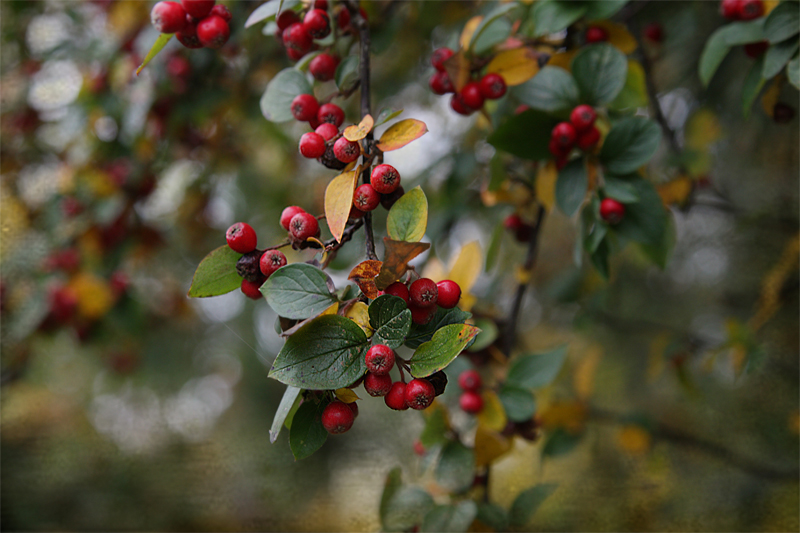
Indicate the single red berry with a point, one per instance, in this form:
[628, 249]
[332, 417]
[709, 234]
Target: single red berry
[330, 113]
[583, 117]
[222, 11]
[439, 56]
[440, 83]
[288, 213]
[565, 135]
[385, 178]
[423, 293]
[730, 9]
[421, 315]
[297, 40]
[343, 18]
[596, 34]
[379, 359]
[558, 151]
[471, 402]
[304, 107]
[179, 67]
[317, 23]
[521, 109]
[327, 131]
[756, 50]
[250, 289]
[168, 17]
[588, 139]
[449, 294]
[286, 19]
[612, 211]
[493, 86]
[213, 31]
[513, 222]
[365, 198]
[396, 398]
[654, 32]
[337, 417]
[472, 96]
[388, 200]
[419, 394]
[198, 8]
[302, 226]
[377, 384]
[63, 303]
[419, 448]
[323, 67]
[398, 289]
[241, 238]
[355, 213]
[320, 4]
[312, 145]
[188, 35]
[314, 123]
[270, 261]
[751, 9]
[457, 104]
[346, 151]
[353, 407]
[118, 282]
[470, 380]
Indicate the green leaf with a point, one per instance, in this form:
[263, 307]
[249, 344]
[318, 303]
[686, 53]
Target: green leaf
[630, 144]
[298, 291]
[347, 72]
[527, 503]
[268, 10]
[595, 238]
[753, 83]
[456, 468]
[721, 41]
[402, 507]
[646, 220]
[440, 351]
[290, 397]
[498, 173]
[659, 253]
[307, 434]
[560, 442]
[391, 319]
[620, 188]
[600, 70]
[494, 246]
[777, 56]
[327, 353]
[551, 16]
[487, 22]
[525, 135]
[744, 32]
[493, 516]
[634, 92]
[304, 62]
[518, 403]
[599, 258]
[603, 9]
[391, 485]
[782, 22]
[552, 89]
[435, 430]
[276, 102]
[495, 33]
[216, 274]
[488, 334]
[571, 186]
[408, 217]
[386, 115]
[159, 45]
[536, 370]
[419, 334]
[454, 518]
[793, 72]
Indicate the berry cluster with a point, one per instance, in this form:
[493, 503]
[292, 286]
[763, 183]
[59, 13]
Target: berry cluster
[423, 295]
[470, 400]
[472, 96]
[255, 266]
[580, 131]
[742, 9]
[196, 23]
[297, 32]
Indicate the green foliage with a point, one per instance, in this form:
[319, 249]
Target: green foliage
[159, 45]
[408, 217]
[493, 29]
[493, 516]
[276, 102]
[444, 346]
[630, 144]
[571, 186]
[645, 221]
[600, 71]
[456, 467]
[527, 503]
[753, 83]
[536, 370]
[551, 16]
[560, 442]
[346, 73]
[391, 320]
[419, 334]
[620, 189]
[307, 434]
[518, 403]
[386, 115]
[298, 291]
[216, 274]
[453, 518]
[525, 135]
[402, 507]
[268, 10]
[721, 42]
[782, 23]
[777, 56]
[552, 90]
[290, 398]
[435, 429]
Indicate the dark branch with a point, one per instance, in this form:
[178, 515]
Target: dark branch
[332, 246]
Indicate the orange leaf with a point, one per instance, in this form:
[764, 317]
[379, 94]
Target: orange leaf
[364, 274]
[515, 66]
[618, 36]
[457, 68]
[356, 133]
[339, 201]
[402, 133]
[396, 258]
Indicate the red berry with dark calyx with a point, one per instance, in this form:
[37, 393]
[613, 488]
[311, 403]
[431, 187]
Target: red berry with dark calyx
[379, 359]
[222, 11]
[168, 17]
[421, 315]
[346, 151]
[288, 213]
[419, 394]
[565, 135]
[493, 86]
[385, 178]
[472, 96]
[471, 402]
[198, 8]
[241, 238]
[588, 139]
[377, 384]
[457, 104]
[297, 41]
[213, 31]
[439, 56]
[304, 107]
[396, 398]
[612, 211]
[286, 19]
[751, 9]
[365, 198]
[388, 200]
[317, 23]
[440, 83]
[398, 289]
[470, 380]
[327, 131]
[188, 35]
[337, 417]
[449, 294]
[756, 50]
[302, 226]
[323, 67]
[596, 34]
[250, 289]
[730, 9]
[270, 261]
[583, 117]
[312, 145]
[513, 222]
[423, 293]
[654, 32]
[330, 113]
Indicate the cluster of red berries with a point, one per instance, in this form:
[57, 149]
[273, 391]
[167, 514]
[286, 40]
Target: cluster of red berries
[423, 295]
[196, 23]
[742, 9]
[470, 400]
[297, 32]
[472, 96]
[255, 266]
[580, 131]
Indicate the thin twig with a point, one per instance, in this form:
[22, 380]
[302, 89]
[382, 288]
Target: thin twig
[332, 246]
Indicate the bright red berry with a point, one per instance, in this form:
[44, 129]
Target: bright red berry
[241, 238]
[377, 384]
[472, 96]
[297, 40]
[440, 83]
[396, 398]
[419, 394]
[327, 131]
[250, 289]
[304, 107]
[385, 178]
[493, 86]
[270, 261]
[751, 9]
[379, 359]
[449, 294]
[330, 113]
[471, 402]
[421, 315]
[730, 9]
[423, 293]
[337, 417]
[222, 11]
[756, 50]
[346, 151]
[596, 34]
[213, 31]
[317, 23]
[565, 135]
[288, 213]
[588, 139]
[188, 35]
[470, 380]
[198, 8]
[654, 32]
[365, 198]
[439, 56]
[312, 145]
[583, 117]
[323, 67]
[457, 104]
[168, 17]
[612, 211]
[398, 289]
[302, 226]
[286, 19]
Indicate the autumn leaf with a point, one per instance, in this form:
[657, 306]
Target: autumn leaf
[339, 201]
[356, 133]
[618, 36]
[364, 274]
[515, 66]
[396, 258]
[401, 133]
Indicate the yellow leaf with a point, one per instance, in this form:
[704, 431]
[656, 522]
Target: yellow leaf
[467, 266]
[489, 445]
[359, 313]
[95, 297]
[492, 416]
[516, 66]
[522, 275]
[702, 130]
[402, 133]
[583, 377]
[676, 191]
[771, 95]
[339, 201]
[469, 31]
[435, 270]
[457, 68]
[633, 439]
[364, 274]
[356, 133]
[346, 395]
[567, 415]
[562, 59]
[618, 36]
[546, 185]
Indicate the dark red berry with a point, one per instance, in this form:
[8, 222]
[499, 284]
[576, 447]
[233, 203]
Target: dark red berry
[730, 9]
[179, 67]
[419, 394]
[270, 261]
[782, 113]
[388, 200]
[312, 145]
[213, 31]
[751, 9]
[564, 134]
[353, 407]
[288, 213]
[379, 359]
[457, 104]
[588, 139]
[343, 18]
[654, 32]
[449, 294]
[365, 198]
[471, 402]
[168, 17]
[320, 4]
[337, 417]
[248, 266]
[250, 289]
[423, 293]
[241, 238]
[377, 385]
[222, 11]
[302, 226]
[421, 315]
[440, 83]
[330, 113]
[398, 289]
[323, 67]
[63, 303]
[355, 213]
[612, 211]
[756, 50]
[472, 96]
[188, 35]
[596, 34]
[558, 151]
[439, 56]
[583, 117]
[327, 131]
[198, 8]
[304, 107]
[346, 151]
[396, 398]
[286, 19]
[385, 178]
[493, 86]
[297, 40]
[470, 380]
[317, 23]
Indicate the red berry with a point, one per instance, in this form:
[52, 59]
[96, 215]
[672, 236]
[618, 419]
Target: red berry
[365, 198]
[521, 109]
[421, 315]
[250, 289]
[756, 50]
[241, 238]
[346, 151]
[588, 139]
[302, 226]
[565, 135]
[179, 67]
[751, 9]
[323, 67]
[582, 117]
[327, 131]
[222, 11]
[343, 18]
[471, 402]
[423, 293]
[439, 56]
[330, 113]
[379, 359]
[493, 86]
[440, 83]
[596, 34]
[419, 394]
[304, 107]
[353, 407]
[286, 19]
[730, 9]
[449, 293]
[317, 23]
[470, 380]
[558, 151]
[612, 211]
[377, 385]
[320, 4]
[355, 213]
[213, 32]
[388, 200]
[270, 261]
[288, 213]
[512, 222]
[63, 303]
[471, 95]
[654, 32]
[188, 35]
[337, 417]
[457, 104]
[198, 8]
[396, 398]
[398, 289]
[168, 17]
[385, 178]
[297, 40]
[312, 145]
[419, 449]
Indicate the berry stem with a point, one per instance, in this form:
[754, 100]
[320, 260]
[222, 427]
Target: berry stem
[332, 246]
[277, 246]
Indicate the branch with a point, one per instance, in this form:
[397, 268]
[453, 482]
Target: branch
[332, 246]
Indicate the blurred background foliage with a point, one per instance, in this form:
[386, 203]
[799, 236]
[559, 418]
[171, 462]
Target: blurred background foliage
[126, 406]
